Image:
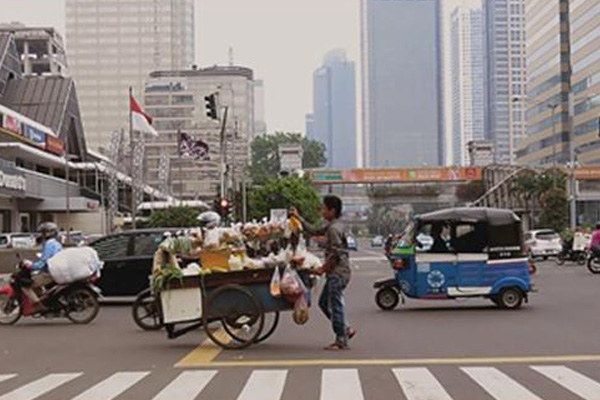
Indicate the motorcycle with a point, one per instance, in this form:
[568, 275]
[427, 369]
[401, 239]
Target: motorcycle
[77, 301]
[593, 262]
[568, 254]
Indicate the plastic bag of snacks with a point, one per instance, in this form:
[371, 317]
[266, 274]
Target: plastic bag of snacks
[301, 311]
[291, 284]
[276, 283]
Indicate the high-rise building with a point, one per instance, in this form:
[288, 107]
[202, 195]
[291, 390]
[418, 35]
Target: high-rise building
[260, 122]
[402, 110]
[309, 122]
[467, 66]
[549, 77]
[506, 100]
[42, 50]
[113, 45]
[334, 105]
[176, 101]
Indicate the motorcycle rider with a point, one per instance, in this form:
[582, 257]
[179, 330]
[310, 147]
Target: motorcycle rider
[40, 275]
[595, 243]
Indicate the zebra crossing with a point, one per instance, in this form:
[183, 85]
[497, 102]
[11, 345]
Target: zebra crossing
[408, 383]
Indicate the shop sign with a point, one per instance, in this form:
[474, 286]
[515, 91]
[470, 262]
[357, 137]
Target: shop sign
[55, 145]
[12, 181]
[12, 124]
[37, 136]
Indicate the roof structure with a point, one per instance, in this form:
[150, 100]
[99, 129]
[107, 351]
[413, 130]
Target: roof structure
[51, 101]
[492, 216]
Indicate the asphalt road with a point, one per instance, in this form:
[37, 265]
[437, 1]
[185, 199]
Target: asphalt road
[466, 350]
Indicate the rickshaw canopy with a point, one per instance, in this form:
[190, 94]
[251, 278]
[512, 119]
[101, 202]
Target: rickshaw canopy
[491, 216]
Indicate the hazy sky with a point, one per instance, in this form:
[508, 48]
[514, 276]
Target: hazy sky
[282, 40]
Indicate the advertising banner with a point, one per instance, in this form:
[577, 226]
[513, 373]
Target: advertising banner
[55, 146]
[36, 136]
[429, 174]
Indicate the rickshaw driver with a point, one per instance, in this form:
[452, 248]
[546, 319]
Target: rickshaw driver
[439, 244]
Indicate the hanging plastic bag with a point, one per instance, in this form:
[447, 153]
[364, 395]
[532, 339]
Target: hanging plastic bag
[301, 311]
[276, 283]
[290, 284]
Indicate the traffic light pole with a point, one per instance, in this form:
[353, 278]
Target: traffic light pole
[222, 160]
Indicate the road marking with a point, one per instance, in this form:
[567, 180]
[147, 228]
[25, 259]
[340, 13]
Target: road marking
[264, 385]
[560, 359]
[341, 384]
[187, 386]
[205, 353]
[499, 385]
[577, 383]
[6, 377]
[420, 384]
[37, 388]
[112, 387]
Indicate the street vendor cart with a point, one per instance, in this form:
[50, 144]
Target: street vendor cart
[236, 309]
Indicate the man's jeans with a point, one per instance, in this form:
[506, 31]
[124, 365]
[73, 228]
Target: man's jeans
[332, 305]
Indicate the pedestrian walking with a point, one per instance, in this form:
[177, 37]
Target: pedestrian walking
[336, 269]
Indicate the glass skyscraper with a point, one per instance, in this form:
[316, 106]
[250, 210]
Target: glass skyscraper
[402, 108]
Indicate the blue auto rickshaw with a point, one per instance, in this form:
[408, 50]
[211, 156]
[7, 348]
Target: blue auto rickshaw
[459, 253]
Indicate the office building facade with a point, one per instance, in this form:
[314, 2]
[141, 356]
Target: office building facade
[334, 109]
[402, 108]
[506, 80]
[176, 101]
[114, 45]
[548, 35]
[467, 66]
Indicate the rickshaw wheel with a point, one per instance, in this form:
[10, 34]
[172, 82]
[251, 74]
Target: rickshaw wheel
[245, 318]
[510, 298]
[387, 298]
[268, 329]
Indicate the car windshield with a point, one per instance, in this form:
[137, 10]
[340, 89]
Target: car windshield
[547, 235]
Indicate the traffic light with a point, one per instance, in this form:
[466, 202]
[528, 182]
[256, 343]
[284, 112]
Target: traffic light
[211, 106]
[223, 207]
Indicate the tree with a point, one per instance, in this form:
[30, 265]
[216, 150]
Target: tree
[174, 217]
[285, 193]
[265, 154]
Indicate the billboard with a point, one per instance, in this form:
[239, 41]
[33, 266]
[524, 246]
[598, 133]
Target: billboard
[399, 175]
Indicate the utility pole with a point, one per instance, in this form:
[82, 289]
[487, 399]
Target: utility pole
[68, 186]
[222, 161]
[572, 162]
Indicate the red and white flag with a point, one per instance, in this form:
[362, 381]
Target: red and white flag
[140, 121]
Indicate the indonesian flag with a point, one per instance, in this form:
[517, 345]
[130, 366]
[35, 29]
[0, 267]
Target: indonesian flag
[141, 121]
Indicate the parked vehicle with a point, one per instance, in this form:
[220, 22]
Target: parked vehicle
[543, 243]
[127, 258]
[476, 252]
[377, 241]
[17, 241]
[76, 301]
[352, 245]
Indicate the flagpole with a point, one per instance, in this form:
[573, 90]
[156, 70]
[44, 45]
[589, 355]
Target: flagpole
[180, 167]
[131, 150]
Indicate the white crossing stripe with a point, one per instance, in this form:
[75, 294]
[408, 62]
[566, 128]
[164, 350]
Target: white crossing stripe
[264, 385]
[577, 383]
[420, 384]
[6, 377]
[37, 388]
[186, 386]
[112, 387]
[341, 384]
[499, 385]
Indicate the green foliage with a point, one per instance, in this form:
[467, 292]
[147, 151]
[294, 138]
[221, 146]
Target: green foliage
[265, 154]
[285, 193]
[470, 192]
[175, 217]
[547, 189]
[385, 220]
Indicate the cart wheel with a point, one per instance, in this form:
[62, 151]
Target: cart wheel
[387, 298]
[271, 322]
[240, 313]
[145, 311]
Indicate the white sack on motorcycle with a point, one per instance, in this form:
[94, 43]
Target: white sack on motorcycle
[74, 264]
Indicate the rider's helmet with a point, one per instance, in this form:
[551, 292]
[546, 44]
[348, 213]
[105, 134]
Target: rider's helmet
[48, 230]
[598, 225]
[209, 220]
